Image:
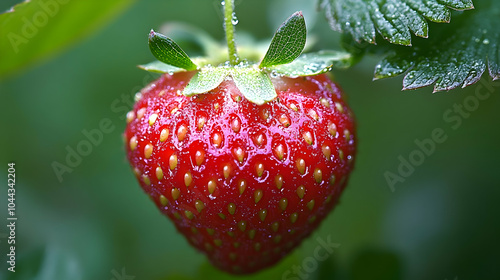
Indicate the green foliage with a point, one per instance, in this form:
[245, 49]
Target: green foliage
[254, 84]
[395, 20]
[160, 67]
[456, 56]
[167, 51]
[288, 42]
[205, 80]
[36, 29]
[310, 64]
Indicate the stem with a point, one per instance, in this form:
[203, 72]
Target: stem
[229, 28]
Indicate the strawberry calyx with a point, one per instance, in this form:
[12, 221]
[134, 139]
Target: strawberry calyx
[283, 58]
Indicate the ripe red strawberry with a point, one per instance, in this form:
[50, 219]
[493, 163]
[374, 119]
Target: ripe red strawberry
[244, 183]
[246, 160]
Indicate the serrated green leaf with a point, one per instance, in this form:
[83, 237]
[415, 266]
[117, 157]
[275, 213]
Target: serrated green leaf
[287, 43]
[36, 29]
[395, 20]
[206, 80]
[167, 51]
[456, 56]
[254, 84]
[311, 64]
[160, 67]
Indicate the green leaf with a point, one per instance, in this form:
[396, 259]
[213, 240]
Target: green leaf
[288, 42]
[167, 51]
[254, 84]
[395, 20]
[160, 67]
[38, 29]
[311, 64]
[456, 56]
[206, 80]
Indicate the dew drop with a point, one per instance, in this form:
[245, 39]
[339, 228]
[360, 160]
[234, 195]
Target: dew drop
[234, 19]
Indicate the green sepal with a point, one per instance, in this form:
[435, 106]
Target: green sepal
[206, 80]
[287, 43]
[311, 64]
[160, 67]
[167, 51]
[254, 84]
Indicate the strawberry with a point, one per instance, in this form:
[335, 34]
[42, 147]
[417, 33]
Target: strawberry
[245, 179]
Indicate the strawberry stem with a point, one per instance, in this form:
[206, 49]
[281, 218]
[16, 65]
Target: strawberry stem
[229, 28]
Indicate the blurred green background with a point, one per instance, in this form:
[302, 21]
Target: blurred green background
[442, 222]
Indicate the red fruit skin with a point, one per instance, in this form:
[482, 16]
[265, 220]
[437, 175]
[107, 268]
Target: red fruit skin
[255, 146]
